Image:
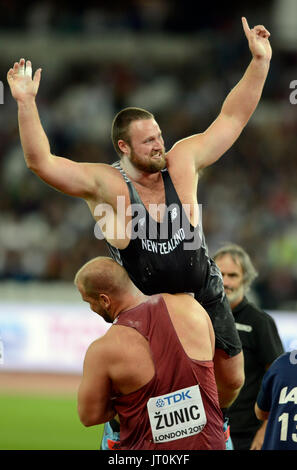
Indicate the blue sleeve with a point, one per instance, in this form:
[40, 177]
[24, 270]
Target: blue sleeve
[265, 392]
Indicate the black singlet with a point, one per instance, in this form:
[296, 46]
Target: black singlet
[172, 256]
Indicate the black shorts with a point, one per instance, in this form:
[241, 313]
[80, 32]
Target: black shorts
[213, 298]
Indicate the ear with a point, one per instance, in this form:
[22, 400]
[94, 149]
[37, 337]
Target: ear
[105, 301]
[124, 147]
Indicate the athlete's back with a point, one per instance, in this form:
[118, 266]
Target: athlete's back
[131, 363]
[159, 356]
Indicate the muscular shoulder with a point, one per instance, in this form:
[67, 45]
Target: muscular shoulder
[104, 173]
[104, 350]
[192, 325]
[181, 154]
[183, 302]
[187, 313]
[188, 151]
[122, 342]
[109, 182]
[181, 164]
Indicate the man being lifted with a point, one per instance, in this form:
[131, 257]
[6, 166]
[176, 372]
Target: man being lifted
[156, 181]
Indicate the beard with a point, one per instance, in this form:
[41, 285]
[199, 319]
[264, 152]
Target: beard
[235, 294]
[150, 164]
[102, 312]
[107, 318]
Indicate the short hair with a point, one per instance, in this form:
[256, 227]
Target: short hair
[102, 275]
[121, 123]
[239, 256]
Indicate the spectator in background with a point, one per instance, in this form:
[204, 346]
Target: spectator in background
[277, 402]
[261, 345]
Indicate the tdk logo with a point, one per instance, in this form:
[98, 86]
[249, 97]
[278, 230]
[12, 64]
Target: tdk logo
[176, 397]
[160, 403]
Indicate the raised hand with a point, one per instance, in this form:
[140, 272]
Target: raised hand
[19, 78]
[258, 39]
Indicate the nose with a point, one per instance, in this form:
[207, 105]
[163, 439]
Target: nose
[225, 281]
[157, 146]
[224, 277]
[159, 142]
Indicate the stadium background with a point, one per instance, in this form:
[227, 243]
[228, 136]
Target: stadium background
[97, 57]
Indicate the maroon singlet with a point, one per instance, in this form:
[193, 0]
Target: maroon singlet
[174, 371]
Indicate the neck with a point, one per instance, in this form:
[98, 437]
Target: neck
[236, 302]
[139, 176]
[128, 301]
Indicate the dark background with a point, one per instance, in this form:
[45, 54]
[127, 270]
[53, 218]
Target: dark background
[179, 59]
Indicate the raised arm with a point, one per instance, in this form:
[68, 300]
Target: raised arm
[75, 179]
[238, 107]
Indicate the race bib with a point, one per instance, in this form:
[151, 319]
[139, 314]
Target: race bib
[176, 415]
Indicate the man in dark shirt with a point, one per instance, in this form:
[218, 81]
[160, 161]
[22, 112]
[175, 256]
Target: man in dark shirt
[260, 342]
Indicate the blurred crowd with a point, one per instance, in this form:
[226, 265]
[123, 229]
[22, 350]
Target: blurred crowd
[97, 16]
[248, 197]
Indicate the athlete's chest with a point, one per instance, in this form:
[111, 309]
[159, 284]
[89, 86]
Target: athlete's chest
[153, 198]
[182, 188]
[151, 195]
[158, 198]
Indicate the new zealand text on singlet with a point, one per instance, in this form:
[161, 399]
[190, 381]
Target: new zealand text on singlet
[144, 227]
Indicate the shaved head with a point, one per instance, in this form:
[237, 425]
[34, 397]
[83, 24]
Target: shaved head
[105, 285]
[102, 275]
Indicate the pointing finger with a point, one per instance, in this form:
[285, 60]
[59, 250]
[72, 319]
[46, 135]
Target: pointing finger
[245, 25]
